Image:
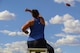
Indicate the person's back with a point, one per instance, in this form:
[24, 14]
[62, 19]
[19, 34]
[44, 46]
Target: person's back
[37, 30]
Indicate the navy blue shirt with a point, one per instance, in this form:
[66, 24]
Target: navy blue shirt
[37, 30]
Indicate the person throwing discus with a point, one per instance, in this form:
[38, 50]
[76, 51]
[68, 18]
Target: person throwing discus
[36, 37]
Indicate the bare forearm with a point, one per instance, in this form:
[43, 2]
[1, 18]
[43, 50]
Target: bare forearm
[25, 31]
[28, 10]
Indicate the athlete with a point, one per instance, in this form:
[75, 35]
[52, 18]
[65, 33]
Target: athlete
[36, 38]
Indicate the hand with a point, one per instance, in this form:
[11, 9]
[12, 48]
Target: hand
[26, 32]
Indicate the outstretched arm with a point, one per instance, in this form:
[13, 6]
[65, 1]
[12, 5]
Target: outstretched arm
[28, 10]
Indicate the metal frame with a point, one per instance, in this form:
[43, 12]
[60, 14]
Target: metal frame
[37, 50]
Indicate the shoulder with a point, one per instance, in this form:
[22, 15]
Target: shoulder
[31, 22]
[41, 17]
[42, 20]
